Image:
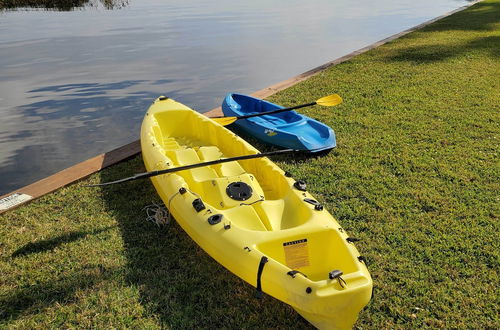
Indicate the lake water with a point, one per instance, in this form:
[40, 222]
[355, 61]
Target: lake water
[75, 84]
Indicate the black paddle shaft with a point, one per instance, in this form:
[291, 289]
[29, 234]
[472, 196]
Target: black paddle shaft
[271, 112]
[188, 167]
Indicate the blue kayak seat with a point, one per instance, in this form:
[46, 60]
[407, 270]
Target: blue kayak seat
[276, 121]
[258, 120]
[273, 120]
[295, 123]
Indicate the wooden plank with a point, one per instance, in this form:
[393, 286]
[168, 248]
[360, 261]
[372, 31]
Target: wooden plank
[90, 166]
[67, 176]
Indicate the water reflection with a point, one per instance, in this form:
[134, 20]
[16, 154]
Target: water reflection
[75, 84]
[61, 5]
[83, 118]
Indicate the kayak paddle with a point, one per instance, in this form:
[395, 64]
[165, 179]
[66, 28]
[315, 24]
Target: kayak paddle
[327, 101]
[188, 167]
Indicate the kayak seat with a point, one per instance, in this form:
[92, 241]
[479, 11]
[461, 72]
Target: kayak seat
[182, 157]
[258, 120]
[277, 121]
[294, 123]
[225, 169]
[274, 120]
[229, 169]
[170, 143]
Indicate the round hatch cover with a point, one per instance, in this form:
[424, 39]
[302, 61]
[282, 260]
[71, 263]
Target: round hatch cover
[239, 191]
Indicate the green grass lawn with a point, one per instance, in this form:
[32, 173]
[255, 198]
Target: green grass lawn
[415, 176]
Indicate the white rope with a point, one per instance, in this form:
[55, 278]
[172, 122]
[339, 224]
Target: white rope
[158, 214]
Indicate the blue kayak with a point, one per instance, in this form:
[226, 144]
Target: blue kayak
[287, 129]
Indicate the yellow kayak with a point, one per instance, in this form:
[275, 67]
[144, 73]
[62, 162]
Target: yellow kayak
[253, 219]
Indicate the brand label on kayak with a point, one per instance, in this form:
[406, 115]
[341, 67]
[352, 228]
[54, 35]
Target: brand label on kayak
[270, 132]
[296, 253]
[13, 200]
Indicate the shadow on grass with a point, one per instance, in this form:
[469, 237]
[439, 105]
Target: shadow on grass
[264, 147]
[481, 17]
[45, 294]
[435, 53]
[52, 243]
[178, 281]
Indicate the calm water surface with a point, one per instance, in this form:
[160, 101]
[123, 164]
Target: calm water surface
[76, 84]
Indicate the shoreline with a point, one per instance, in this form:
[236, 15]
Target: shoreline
[83, 169]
